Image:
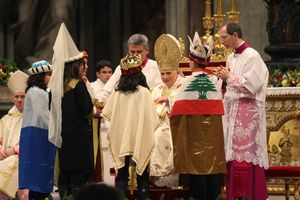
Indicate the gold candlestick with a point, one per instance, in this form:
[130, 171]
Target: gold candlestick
[219, 18]
[219, 48]
[219, 7]
[233, 15]
[207, 20]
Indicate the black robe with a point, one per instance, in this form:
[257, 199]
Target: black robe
[76, 150]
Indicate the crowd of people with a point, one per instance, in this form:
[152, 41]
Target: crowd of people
[208, 127]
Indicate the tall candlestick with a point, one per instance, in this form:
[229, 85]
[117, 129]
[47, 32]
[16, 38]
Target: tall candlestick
[233, 15]
[219, 7]
[208, 23]
[208, 8]
[233, 6]
[219, 18]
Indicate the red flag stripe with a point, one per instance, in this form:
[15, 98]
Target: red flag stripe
[198, 107]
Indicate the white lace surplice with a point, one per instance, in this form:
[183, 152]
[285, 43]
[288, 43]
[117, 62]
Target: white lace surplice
[244, 102]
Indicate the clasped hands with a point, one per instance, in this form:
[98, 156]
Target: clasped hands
[4, 153]
[222, 72]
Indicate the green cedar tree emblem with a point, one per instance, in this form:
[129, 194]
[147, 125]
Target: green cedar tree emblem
[202, 85]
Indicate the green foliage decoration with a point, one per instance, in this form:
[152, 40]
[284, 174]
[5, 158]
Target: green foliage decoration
[7, 67]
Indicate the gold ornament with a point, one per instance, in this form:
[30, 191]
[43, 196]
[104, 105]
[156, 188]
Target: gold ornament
[131, 61]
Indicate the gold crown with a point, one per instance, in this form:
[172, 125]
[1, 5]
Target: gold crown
[167, 52]
[131, 64]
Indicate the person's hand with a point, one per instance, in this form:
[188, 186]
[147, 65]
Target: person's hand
[17, 149]
[98, 111]
[160, 100]
[23, 194]
[222, 72]
[2, 154]
[10, 151]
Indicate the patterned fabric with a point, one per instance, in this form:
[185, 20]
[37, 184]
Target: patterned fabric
[40, 67]
[196, 126]
[245, 125]
[244, 102]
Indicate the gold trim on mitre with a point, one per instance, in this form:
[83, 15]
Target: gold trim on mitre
[167, 52]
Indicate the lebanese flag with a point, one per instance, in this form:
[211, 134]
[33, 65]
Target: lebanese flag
[200, 94]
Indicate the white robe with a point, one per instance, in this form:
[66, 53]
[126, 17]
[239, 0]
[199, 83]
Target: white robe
[106, 159]
[161, 162]
[162, 158]
[10, 127]
[244, 102]
[97, 86]
[133, 122]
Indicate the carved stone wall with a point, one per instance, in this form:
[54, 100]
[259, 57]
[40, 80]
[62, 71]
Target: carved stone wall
[283, 126]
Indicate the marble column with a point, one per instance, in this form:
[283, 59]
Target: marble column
[177, 22]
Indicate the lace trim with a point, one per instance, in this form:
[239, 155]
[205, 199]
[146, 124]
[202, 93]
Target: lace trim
[279, 91]
[254, 151]
[169, 181]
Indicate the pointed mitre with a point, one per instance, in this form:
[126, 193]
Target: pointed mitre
[167, 52]
[17, 82]
[200, 53]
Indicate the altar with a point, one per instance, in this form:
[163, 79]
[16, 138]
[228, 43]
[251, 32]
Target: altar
[283, 131]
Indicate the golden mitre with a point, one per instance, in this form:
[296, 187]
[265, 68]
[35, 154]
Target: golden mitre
[131, 64]
[167, 52]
